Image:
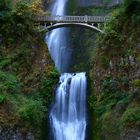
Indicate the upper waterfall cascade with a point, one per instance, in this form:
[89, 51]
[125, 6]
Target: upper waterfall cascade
[57, 40]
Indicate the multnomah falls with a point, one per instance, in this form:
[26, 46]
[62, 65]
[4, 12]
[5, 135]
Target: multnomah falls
[68, 114]
[69, 69]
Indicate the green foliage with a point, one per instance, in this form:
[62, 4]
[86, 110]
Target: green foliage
[8, 83]
[27, 88]
[107, 1]
[104, 62]
[124, 99]
[108, 101]
[48, 86]
[137, 82]
[114, 101]
[71, 6]
[109, 84]
[2, 98]
[123, 21]
[4, 62]
[5, 5]
[97, 10]
[107, 109]
[110, 128]
[130, 11]
[26, 84]
[100, 11]
[131, 117]
[54, 73]
[32, 112]
[131, 7]
[16, 23]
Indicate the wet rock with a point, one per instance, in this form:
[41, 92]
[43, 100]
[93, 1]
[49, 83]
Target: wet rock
[131, 135]
[98, 3]
[14, 134]
[138, 45]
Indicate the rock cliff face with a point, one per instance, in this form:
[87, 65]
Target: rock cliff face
[19, 116]
[116, 78]
[14, 134]
[98, 3]
[133, 134]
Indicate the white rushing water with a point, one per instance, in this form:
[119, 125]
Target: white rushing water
[68, 115]
[57, 39]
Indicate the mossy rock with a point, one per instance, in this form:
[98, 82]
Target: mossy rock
[130, 118]
[136, 82]
[2, 99]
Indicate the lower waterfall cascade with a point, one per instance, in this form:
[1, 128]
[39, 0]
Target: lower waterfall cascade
[68, 114]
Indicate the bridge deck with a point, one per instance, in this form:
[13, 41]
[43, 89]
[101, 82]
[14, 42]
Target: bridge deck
[71, 19]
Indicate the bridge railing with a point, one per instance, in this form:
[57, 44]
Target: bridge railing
[82, 19]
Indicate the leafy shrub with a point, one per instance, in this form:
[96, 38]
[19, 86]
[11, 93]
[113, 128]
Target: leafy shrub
[8, 83]
[15, 23]
[4, 4]
[104, 62]
[4, 63]
[137, 82]
[130, 117]
[109, 84]
[124, 98]
[2, 99]
[109, 100]
[32, 112]
[48, 85]
[131, 7]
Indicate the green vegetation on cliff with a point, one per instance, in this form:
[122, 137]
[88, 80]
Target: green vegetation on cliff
[115, 74]
[27, 74]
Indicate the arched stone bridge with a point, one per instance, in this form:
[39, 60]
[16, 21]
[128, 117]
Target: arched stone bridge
[53, 22]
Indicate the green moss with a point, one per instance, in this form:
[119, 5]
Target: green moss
[15, 22]
[115, 98]
[71, 6]
[138, 58]
[2, 99]
[48, 85]
[137, 82]
[107, 109]
[101, 11]
[104, 62]
[32, 112]
[131, 117]
[8, 83]
[4, 63]
[26, 83]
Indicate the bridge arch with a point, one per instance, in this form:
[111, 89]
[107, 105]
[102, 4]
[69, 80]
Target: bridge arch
[60, 25]
[52, 22]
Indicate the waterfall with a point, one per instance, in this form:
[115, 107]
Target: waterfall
[68, 114]
[57, 40]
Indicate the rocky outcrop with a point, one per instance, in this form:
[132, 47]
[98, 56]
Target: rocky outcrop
[131, 135]
[14, 134]
[99, 3]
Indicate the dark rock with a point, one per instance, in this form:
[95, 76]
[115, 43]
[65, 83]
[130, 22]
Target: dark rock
[98, 3]
[131, 135]
[14, 134]
[138, 45]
